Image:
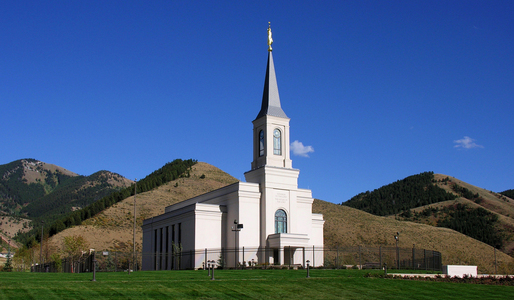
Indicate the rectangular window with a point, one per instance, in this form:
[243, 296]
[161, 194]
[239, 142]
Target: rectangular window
[180, 234]
[173, 245]
[160, 249]
[155, 250]
[166, 243]
[180, 245]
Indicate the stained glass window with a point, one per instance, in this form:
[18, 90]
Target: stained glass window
[277, 146]
[280, 221]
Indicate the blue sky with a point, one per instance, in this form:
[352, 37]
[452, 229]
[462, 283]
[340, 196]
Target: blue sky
[379, 90]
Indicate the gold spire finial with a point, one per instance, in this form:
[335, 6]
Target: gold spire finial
[270, 39]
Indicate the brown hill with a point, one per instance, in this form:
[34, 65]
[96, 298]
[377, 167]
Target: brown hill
[493, 202]
[344, 226]
[113, 228]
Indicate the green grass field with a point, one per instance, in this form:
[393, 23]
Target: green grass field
[236, 284]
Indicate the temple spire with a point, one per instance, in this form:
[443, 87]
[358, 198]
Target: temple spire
[270, 98]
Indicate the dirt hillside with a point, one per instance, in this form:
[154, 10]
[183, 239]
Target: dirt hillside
[346, 226]
[113, 228]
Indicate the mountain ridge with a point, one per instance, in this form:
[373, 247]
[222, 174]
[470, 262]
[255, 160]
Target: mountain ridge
[112, 228]
[34, 190]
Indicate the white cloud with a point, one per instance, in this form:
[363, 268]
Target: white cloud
[466, 143]
[299, 149]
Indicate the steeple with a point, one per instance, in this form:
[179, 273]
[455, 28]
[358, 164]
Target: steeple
[270, 98]
[271, 127]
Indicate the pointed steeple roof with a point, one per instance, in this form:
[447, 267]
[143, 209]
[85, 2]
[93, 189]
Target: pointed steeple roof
[270, 98]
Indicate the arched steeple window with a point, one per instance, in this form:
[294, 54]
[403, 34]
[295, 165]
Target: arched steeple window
[280, 221]
[277, 142]
[261, 143]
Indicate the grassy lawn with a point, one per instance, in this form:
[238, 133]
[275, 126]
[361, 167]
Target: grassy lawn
[236, 284]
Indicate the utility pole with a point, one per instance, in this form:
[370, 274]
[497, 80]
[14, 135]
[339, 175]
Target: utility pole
[134, 238]
[41, 246]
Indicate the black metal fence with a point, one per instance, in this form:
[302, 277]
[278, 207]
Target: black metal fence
[67, 265]
[361, 257]
[107, 261]
[377, 257]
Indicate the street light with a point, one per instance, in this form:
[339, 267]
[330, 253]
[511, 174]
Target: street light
[236, 228]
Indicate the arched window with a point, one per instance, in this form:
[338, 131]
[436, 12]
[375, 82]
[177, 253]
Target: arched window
[280, 221]
[261, 143]
[277, 143]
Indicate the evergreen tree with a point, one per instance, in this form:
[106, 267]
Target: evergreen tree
[8, 262]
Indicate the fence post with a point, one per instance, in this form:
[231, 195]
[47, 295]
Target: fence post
[313, 256]
[243, 266]
[337, 258]
[398, 257]
[495, 270]
[303, 257]
[360, 262]
[266, 260]
[433, 260]
[413, 256]
[425, 258]
[380, 254]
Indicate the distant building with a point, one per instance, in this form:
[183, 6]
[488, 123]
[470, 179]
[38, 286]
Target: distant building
[266, 220]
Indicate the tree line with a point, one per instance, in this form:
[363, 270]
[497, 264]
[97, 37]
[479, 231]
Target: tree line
[508, 193]
[477, 223]
[413, 191]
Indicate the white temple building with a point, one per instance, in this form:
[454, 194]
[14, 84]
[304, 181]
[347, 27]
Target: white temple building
[265, 220]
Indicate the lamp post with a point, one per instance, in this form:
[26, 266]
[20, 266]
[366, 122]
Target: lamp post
[134, 231]
[212, 272]
[41, 247]
[94, 266]
[308, 261]
[236, 228]
[397, 238]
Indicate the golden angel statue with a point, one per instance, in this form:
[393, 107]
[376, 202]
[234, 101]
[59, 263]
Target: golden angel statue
[270, 39]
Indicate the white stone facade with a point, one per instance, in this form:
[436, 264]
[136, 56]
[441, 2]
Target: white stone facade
[278, 224]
